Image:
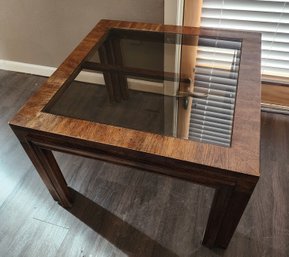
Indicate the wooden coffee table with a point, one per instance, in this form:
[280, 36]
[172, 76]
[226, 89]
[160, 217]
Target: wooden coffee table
[178, 101]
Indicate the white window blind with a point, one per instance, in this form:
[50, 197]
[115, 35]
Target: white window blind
[216, 77]
[269, 17]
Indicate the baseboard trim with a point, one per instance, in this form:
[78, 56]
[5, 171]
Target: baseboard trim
[87, 77]
[28, 68]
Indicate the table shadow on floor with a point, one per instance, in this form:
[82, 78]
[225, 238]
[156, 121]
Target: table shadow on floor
[118, 232]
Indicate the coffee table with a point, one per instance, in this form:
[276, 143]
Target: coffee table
[179, 101]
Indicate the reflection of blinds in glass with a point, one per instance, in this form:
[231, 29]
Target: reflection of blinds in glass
[216, 78]
[269, 17]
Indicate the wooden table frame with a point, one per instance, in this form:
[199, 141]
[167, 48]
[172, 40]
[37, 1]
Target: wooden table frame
[232, 171]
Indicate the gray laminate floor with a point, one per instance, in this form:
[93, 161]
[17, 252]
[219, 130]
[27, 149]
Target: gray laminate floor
[122, 211]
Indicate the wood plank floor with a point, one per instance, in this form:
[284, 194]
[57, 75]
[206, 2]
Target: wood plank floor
[122, 211]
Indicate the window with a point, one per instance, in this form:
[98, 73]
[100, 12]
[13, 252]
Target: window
[269, 17]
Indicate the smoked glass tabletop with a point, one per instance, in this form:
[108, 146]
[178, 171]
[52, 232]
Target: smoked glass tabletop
[169, 84]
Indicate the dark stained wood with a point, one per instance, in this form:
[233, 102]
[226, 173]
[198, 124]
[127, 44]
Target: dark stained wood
[234, 210]
[49, 171]
[117, 59]
[109, 54]
[106, 74]
[168, 214]
[242, 157]
[137, 72]
[220, 204]
[113, 75]
[230, 203]
[214, 166]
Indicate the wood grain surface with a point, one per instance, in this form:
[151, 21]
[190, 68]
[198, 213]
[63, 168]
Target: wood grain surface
[241, 157]
[233, 171]
[121, 211]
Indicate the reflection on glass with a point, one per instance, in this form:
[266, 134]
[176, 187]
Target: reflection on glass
[169, 84]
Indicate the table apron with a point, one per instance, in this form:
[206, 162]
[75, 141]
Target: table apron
[198, 174]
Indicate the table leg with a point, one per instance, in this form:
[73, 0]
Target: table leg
[117, 59]
[227, 208]
[50, 173]
[108, 76]
[116, 82]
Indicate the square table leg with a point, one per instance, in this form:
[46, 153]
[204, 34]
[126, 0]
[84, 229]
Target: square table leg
[116, 82]
[229, 203]
[49, 171]
[226, 211]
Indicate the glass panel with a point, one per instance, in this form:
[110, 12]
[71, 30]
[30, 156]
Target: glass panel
[169, 84]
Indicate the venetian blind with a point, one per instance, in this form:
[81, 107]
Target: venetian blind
[215, 85]
[269, 17]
